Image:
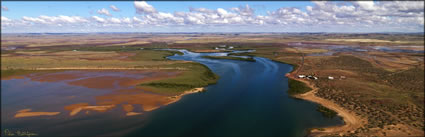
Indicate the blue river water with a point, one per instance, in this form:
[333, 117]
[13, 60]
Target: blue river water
[250, 99]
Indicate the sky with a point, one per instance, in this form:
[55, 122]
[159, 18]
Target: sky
[212, 16]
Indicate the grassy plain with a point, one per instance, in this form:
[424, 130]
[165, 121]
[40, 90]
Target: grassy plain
[27, 61]
[385, 88]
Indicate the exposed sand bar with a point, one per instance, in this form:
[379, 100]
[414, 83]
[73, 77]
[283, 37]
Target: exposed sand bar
[76, 108]
[27, 113]
[178, 97]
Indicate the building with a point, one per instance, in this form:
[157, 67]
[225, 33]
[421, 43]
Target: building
[312, 77]
[301, 76]
[330, 77]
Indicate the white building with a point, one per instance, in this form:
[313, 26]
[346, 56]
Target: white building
[301, 76]
[330, 77]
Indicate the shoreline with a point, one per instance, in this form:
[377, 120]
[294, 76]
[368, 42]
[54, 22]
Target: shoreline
[174, 99]
[178, 97]
[351, 120]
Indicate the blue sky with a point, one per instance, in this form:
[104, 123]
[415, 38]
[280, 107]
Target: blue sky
[212, 16]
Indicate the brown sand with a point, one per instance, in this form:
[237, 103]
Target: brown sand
[133, 113]
[76, 108]
[124, 95]
[27, 113]
[12, 77]
[127, 107]
[147, 100]
[178, 97]
[102, 82]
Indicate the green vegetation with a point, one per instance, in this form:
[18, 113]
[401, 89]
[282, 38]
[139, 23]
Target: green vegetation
[153, 55]
[17, 72]
[326, 111]
[297, 87]
[381, 96]
[197, 75]
[89, 59]
[230, 57]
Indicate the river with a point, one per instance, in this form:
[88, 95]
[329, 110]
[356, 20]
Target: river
[249, 99]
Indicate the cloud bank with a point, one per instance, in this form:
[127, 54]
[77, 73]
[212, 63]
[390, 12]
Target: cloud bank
[356, 16]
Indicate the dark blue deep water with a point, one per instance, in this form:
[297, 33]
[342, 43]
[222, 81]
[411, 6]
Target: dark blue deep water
[250, 99]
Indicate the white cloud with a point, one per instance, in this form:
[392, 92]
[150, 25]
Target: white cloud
[104, 11]
[221, 12]
[321, 16]
[126, 20]
[366, 5]
[114, 8]
[55, 19]
[244, 10]
[137, 20]
[143, 7]
[99, 19]
[201, 10]
[5, 19]
[114, 20]
[34, 20]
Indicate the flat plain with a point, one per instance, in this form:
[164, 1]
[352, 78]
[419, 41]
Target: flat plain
[376, 78]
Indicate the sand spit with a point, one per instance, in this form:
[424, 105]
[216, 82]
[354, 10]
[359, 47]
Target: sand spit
[178, 97]
[76, 108]
[27, 113]
[133, 113]
[129, 109]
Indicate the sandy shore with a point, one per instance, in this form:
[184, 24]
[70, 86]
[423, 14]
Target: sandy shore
[351, 120]
[178, 97]
[172, 99]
